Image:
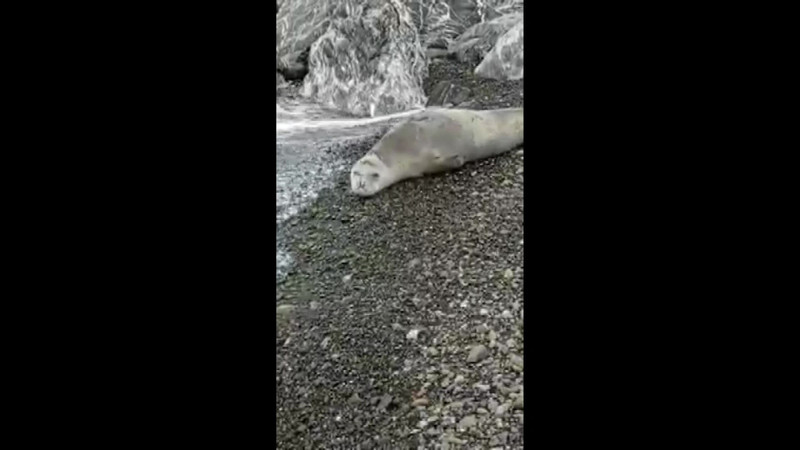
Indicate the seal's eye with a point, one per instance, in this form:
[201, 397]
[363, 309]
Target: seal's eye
[374, 175]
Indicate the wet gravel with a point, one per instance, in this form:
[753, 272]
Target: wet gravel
[399, 324]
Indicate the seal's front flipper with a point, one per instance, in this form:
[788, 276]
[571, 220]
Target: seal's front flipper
[454, 162]
[448, 162]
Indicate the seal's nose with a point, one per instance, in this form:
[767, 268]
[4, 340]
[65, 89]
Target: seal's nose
[356, 182]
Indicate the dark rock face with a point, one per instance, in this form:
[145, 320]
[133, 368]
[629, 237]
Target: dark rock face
[476, 42]
[369, 59]
[484, 93]
[294, 66]
[506, 60]
[448, 93]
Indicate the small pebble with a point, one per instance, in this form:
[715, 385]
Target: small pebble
[516, 361]
[519, 402]
[455, 405]
[501, 410]
[467, 422]
[283, 310]
[454, 440]
[478, 353]
[420, 402]
[386, 400]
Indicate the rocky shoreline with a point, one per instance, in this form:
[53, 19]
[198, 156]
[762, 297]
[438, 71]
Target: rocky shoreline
[400, 322]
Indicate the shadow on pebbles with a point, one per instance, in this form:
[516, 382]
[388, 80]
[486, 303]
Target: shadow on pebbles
[400, 323]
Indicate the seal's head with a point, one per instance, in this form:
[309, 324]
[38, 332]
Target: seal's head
[369, 175]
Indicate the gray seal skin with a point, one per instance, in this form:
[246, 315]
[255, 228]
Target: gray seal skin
[433, 141]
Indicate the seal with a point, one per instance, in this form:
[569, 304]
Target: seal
[436, 140]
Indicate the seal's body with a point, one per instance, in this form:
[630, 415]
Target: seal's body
[433, 141]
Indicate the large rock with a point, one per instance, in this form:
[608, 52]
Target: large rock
[439, 22]
[506, 60]
[509, 6]
[476, 42]
[298, 24]
[368, 61]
